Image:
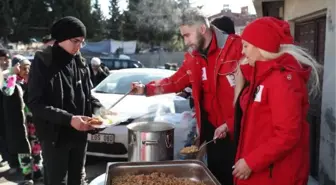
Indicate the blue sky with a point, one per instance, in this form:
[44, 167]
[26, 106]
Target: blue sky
[211, 7]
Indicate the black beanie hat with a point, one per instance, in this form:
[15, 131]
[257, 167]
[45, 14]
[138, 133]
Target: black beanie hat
[20, 59]
[225, 24]
[67, 28]
[4, 53]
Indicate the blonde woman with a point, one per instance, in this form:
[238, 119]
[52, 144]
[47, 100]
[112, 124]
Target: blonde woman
[271, 131]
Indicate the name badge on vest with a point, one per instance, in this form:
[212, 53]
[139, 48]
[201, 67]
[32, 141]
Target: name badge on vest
[231, 80]
[204, 75]
[258, 93]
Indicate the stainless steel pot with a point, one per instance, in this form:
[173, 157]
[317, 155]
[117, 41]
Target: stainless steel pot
[150, 141]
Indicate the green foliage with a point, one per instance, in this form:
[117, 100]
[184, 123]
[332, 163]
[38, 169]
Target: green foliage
[150, 21]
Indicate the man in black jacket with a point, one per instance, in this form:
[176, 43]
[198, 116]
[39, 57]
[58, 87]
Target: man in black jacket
[60, 99]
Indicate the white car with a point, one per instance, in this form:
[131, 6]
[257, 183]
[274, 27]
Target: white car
[112, 142]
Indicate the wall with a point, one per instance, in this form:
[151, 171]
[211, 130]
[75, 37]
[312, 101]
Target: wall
[258, 6]
[159, 59]
[328, 125]
[239, 29]
[298, 8]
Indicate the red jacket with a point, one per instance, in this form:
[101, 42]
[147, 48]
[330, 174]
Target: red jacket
[222, 57]
[274, 133]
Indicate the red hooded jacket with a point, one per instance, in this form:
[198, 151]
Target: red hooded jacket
[274, 133]
[214, 92]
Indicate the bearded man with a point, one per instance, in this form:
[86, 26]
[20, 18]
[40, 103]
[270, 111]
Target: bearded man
[208, 67]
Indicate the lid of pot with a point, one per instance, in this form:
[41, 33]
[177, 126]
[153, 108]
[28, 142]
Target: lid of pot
[150, 126]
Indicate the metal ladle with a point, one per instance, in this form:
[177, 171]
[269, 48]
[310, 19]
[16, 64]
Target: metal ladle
[103, 112]
[199, 149]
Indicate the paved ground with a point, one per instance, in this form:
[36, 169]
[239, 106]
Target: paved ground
[94, 168]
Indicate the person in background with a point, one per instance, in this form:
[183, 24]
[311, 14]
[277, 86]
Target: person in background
[5, 60]
[5, 63]
[208, 68]
[98, 74]
[21, 136]
[225, 24]
[173, 67]
[59, 96]
[272, 133]
[48, 41]
[105, 68]
[3, 146]
[186, 93]
[167, 65]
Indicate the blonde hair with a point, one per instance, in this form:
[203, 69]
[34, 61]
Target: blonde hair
[302, 57]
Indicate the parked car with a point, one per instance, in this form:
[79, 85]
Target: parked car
[112, 142]
[30, 58]
[118, 63]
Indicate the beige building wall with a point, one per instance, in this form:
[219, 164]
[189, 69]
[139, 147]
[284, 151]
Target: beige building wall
[328, 131]
[298, 8]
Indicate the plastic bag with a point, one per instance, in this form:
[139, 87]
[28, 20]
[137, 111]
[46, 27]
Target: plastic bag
[184, 131]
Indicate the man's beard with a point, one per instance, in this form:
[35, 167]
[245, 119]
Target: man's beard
[200, 42]
[199, 45]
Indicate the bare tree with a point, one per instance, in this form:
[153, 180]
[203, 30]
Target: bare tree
[157, 20]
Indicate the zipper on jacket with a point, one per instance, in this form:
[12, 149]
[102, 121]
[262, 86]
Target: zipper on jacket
[249, 84]
[271, 170]
[215, 82]
[215, 68]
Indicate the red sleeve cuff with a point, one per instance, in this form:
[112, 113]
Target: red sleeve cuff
[251, 163]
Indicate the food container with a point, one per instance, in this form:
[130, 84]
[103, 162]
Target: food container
[150, 141]
[190, 169]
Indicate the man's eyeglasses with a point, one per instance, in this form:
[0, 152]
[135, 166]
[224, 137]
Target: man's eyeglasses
[78, 42]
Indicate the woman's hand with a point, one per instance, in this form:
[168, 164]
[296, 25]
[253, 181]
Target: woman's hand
[241, 170]
[221, 132]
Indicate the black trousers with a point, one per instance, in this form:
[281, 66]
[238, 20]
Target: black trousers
[220, 155]
[12, 159]
[3, 149]
[65, 160]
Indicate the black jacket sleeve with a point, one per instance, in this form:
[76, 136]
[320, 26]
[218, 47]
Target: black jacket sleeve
[95, 104]
[38, 80]
[106, 70]
[105, 73]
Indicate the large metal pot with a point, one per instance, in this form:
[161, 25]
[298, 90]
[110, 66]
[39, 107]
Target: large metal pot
[150, 141]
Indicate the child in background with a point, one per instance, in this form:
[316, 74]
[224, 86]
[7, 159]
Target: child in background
[18, 120]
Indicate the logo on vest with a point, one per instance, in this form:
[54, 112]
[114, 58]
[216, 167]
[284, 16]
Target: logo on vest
[231, 79]
[258, 93]
[204, 75]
